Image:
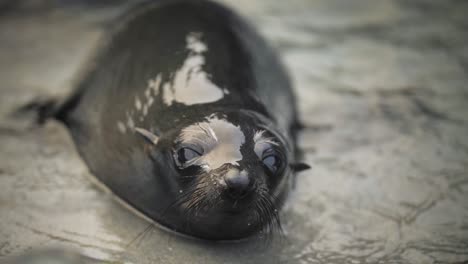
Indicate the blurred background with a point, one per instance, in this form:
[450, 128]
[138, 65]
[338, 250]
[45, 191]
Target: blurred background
[383, 93]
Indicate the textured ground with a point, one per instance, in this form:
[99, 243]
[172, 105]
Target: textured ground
[383, 93]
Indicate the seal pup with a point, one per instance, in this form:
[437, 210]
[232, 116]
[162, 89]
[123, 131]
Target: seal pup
[188, 116]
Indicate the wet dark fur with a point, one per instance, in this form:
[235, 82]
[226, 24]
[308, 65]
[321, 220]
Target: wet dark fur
[149, 41]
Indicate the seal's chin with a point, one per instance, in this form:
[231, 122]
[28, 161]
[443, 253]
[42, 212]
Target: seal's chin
[225, 225]
[233, 220]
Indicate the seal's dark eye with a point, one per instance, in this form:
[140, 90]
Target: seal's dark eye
[272, 162]
[187, 154]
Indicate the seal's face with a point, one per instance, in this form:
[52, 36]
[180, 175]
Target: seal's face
[232, 177]
[232, 174]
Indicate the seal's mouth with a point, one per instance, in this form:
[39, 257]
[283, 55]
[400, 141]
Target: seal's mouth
[236, 209]
[232, 223]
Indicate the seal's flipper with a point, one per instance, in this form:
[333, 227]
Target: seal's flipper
[49, 108]
[300, 166]
[43, 109]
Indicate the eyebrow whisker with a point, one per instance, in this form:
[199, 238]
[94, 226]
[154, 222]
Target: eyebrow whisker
[259, 138]
[209, 131]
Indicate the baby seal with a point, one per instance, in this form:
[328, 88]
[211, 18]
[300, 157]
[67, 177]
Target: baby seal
[187, 115]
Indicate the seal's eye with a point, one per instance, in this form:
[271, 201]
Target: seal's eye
[272, 160]
[187, 154]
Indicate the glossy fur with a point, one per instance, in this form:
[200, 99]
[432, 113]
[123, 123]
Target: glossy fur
[192, 74]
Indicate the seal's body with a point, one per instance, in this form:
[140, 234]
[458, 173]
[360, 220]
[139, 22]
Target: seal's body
[188, 116]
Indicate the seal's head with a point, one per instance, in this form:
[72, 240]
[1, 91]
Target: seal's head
[231, 172]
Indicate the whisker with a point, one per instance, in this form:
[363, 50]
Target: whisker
[268, 217]
[181, 199]
[140, 235]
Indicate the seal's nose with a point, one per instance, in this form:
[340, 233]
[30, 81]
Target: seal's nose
[237, 183]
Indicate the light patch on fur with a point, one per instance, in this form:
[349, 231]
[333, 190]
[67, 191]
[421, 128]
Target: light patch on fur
[142, 105]
[145, 110]
[154, 84]
[220, 140]
[137, 103]
[130, 121]
[191, 84]
[194, 44]
[121, 127]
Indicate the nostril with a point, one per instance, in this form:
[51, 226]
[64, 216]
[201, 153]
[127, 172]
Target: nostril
[237, 183]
